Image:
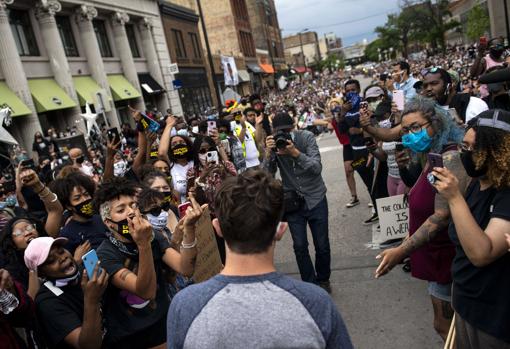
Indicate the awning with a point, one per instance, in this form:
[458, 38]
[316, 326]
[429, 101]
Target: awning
[301, 70]
[244, 76]
[121, 88]
[254, 67]
[9, 99]
[48, 95]
[86, 88]
[267, 68]
[149, 85]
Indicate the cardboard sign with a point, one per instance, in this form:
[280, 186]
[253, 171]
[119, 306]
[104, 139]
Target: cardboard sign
[393, 218]
[208, 261]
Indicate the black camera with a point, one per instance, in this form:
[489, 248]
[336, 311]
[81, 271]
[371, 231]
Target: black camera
[281, 138]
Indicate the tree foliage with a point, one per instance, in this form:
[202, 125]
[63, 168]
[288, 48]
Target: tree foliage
[478, 22]
[423, 22]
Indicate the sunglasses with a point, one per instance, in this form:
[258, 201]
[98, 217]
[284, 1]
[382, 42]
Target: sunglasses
[204, 150]
[156, 211]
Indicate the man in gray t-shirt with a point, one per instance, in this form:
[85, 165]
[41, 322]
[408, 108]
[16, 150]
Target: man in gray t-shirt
[250, 305]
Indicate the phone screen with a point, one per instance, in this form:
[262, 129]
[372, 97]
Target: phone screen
[113, 135]
[398, 98]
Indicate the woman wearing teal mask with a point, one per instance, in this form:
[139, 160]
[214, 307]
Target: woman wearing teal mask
[427, 129]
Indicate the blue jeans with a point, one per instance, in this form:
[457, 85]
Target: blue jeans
[317, 219]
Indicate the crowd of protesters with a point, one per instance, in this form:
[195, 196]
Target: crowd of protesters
[130, 206]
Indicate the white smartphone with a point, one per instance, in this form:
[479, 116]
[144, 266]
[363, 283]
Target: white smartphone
[226, 145]
[212, 157]
[398, 98]
[211, 125]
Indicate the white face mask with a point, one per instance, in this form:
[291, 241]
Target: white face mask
[158, 222]
[183, 132]
[385, 123]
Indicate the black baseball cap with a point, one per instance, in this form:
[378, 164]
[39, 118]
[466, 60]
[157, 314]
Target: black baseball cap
[282, 121]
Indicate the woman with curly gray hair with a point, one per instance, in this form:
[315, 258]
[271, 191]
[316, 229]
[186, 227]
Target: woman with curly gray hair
[427, 133]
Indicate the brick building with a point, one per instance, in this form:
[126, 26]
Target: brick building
[181, 27]
[302, 49]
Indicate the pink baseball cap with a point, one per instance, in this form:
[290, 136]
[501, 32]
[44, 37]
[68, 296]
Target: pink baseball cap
[38, 250]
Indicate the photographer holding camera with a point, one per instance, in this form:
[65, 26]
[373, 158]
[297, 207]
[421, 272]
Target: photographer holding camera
[296, 154]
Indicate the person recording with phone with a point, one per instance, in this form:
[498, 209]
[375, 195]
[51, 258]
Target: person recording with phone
[480, 219]
[296, 154]
[427, 129]
[402, 79]
[484, 61]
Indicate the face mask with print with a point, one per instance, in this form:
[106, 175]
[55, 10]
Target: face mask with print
[84, 209]
[123, 229]
[158, 222]
[119, 168]
[180, 151]
[417, 142]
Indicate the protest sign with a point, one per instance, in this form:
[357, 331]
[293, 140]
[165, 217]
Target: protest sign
[208, 261]
[393, 219]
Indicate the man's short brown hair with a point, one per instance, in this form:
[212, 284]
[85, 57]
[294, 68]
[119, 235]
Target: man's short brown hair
[249, 208]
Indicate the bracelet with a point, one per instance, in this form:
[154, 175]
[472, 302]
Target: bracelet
[40, 191]
[188, 246]
[55, 198]
[45, 195]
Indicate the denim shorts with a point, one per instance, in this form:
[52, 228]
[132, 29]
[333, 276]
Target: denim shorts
[441, 291]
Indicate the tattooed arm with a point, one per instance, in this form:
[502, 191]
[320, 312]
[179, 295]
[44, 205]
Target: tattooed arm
[436, 223]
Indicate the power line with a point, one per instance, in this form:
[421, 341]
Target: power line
[341, 23]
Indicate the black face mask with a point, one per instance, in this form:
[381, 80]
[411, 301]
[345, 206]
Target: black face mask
[469, 165]
[84, 209]
[496, 53]
[123, 229]
[167, 201]
[80, 159]
[180, 151]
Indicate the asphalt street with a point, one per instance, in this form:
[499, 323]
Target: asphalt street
[394, 311]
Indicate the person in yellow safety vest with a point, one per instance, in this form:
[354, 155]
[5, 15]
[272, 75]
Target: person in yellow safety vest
[249, 136]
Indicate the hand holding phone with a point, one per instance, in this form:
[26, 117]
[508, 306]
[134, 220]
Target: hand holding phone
[212, 157]
[211, 125]
[113, 135]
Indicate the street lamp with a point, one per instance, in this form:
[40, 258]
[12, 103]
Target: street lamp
[301, 44]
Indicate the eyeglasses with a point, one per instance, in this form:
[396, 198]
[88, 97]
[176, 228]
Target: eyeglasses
[414, 128]
[465, 148]
[28, 229]
[204, 150]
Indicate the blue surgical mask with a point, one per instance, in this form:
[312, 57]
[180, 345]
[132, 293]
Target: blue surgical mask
[183, 132]
[417, 142]
[11, 201]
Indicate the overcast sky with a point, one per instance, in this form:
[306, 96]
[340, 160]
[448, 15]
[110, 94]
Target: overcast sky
[324, 16]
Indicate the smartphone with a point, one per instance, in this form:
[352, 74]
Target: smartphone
[483, 40]
[211, 125]
[191, 183]
[182, 209]
[212, 157]
[398, 98]
[113, 135]
[89, 262]
[226, 145]
[435, 160]
[363, 105]
[399, 147]
[28, 164]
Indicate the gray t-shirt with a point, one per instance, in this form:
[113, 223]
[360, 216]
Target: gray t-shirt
[264, 311]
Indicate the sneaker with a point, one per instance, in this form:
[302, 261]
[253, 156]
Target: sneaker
[325, 285]
[370, 204]
[372, 220]
[354, 202]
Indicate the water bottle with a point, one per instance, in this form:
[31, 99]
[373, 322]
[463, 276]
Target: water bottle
[8, 302]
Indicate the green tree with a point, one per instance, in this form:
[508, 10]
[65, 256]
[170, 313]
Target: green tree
[478, 22]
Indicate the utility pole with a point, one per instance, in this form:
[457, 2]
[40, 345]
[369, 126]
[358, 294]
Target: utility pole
[506, 22]
[209, 56]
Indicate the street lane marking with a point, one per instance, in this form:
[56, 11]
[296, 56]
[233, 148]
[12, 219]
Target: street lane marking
[328, 149]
